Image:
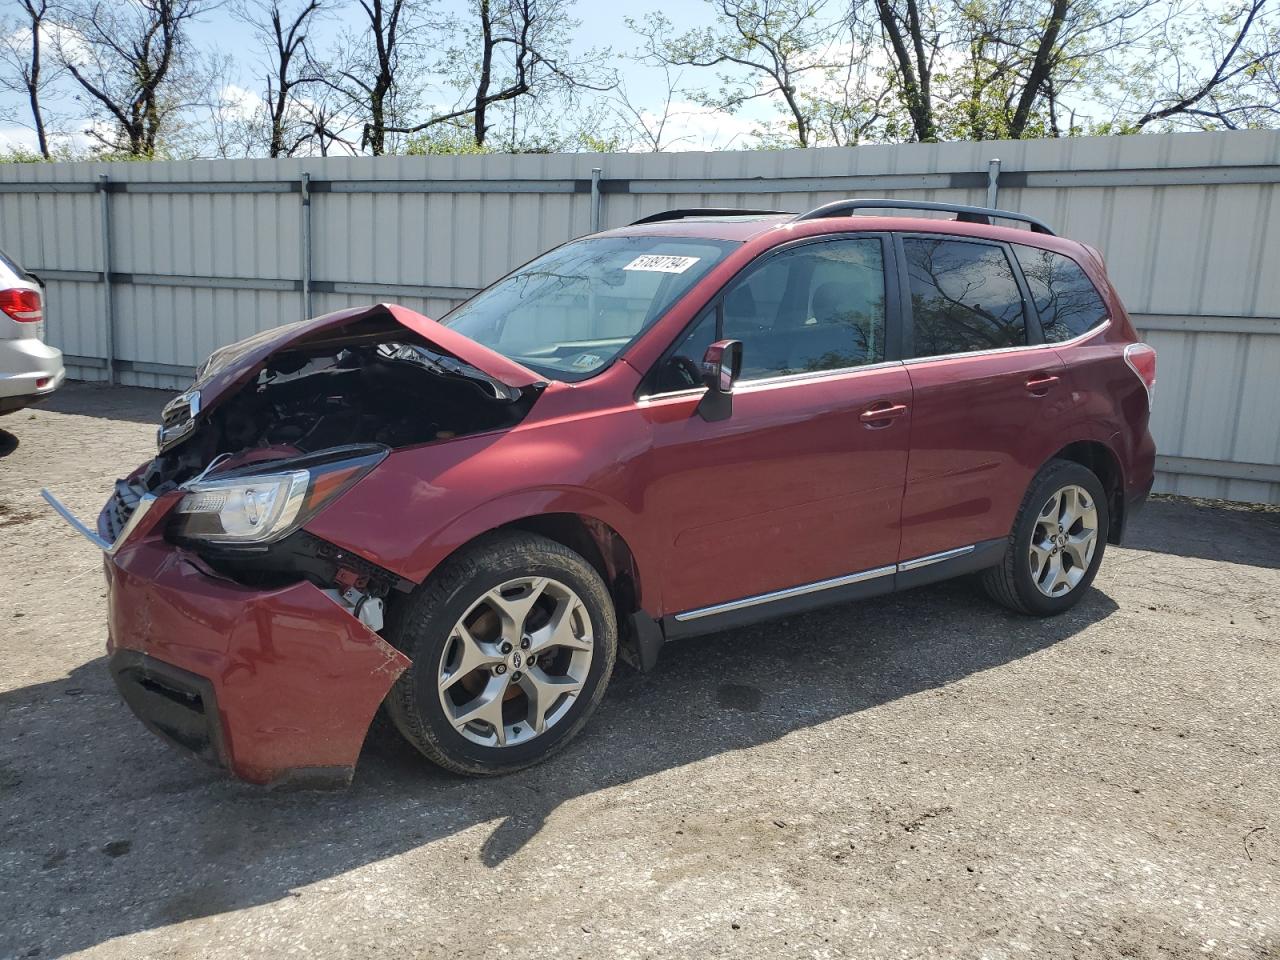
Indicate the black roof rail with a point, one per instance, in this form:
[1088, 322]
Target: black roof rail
[666, 215]
[965, 214]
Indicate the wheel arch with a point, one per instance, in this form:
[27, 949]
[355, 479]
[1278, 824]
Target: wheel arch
[1098, 457]
[616, 556]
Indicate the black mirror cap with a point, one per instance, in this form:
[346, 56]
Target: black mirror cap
[721, 366]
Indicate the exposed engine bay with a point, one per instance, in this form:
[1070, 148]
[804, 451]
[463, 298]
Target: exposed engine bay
[359, 391]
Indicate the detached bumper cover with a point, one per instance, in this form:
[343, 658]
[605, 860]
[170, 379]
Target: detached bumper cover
[277, 685]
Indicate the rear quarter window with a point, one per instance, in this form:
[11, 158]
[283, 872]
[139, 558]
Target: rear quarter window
[1066, 298]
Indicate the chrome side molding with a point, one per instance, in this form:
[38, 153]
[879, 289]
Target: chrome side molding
[144, 504]
[800, 591]
[933, 558]
[785, 594]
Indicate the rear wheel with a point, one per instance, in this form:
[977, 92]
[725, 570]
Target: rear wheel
[1057, 542]
[512, 643]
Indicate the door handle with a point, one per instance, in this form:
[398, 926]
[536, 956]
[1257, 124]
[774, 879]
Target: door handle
[1039, 384]
[882, 414]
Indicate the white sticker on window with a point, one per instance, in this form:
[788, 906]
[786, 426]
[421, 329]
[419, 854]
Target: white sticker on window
[658, 263]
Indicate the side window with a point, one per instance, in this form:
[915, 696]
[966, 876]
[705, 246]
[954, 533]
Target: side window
[819, 306]
[1069, 304]
[963, 297]
[682, 369]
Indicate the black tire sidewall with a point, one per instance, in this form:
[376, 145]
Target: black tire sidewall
[1060, 475]
[431, 633]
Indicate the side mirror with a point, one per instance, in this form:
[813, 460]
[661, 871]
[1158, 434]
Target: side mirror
[721, 365]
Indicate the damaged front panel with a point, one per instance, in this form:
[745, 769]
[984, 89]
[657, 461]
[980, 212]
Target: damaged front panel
[355, 385]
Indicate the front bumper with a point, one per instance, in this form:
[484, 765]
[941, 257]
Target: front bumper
[30, 370]
[279, 686]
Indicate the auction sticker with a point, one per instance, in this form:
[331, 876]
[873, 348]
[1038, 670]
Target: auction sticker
[658, 263]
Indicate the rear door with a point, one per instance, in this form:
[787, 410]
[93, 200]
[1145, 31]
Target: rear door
[989, 396]
[803, 483]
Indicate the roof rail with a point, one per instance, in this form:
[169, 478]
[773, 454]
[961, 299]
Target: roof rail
[666, 215]
[965, 214]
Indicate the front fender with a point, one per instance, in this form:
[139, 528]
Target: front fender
[421, 505]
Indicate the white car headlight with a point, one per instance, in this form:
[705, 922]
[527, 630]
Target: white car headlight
[250, 510]
[247, 508]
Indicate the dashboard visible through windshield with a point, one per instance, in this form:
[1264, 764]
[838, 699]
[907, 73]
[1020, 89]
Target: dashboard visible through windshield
[568, 313]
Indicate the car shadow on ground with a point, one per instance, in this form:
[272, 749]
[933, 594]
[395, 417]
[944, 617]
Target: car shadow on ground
[107, 832]
[1237, 534]
[130, 404]
[8, 443]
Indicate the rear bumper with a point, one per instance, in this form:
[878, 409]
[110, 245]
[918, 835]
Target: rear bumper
[278, 686]
[30, 370]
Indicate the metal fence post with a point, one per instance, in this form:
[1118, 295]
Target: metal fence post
[595, 199]
[993, 181]
[107, 300]
[306, 246]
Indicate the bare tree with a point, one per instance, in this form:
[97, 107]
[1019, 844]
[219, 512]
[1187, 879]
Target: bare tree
[649, 126]
[513, 50]
[1241, 50]
[282, 30]
[1036, 56]
[774, 44]
[21, 53]
[376, 67]
[914, 38]
[134, 63]
[1006, 64]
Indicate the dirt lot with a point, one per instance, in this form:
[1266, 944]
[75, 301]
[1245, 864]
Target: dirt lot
[922, 775]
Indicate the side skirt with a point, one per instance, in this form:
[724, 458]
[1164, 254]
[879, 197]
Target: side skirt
[857, 586]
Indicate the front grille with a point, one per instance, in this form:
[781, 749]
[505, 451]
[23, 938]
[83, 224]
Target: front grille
[178, 419]
[117, 511]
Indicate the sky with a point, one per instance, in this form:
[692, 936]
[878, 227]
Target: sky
[602, 25]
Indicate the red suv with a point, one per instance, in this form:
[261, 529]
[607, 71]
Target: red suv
[704, 419]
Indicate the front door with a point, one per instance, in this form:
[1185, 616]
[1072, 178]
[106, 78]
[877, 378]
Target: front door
[803, 482]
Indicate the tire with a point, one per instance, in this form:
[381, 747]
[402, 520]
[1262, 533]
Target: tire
[429, 629]
[1014, 583]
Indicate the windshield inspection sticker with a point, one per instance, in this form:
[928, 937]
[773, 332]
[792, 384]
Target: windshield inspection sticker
[658, 263]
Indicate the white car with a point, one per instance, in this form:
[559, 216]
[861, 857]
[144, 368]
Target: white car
[30, 369]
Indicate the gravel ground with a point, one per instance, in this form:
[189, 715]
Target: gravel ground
[920, 775]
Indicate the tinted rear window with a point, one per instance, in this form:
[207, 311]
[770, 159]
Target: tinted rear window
[964, 297]
[1068, 302]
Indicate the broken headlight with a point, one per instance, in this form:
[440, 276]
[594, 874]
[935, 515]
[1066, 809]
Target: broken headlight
[258, 508]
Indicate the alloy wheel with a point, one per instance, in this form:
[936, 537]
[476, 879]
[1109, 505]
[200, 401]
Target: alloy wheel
[1063, 541]
[516, 662]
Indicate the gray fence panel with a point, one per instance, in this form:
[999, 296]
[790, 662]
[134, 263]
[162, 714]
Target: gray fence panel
[206, 252]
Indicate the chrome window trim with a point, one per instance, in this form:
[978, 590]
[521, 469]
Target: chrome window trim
[1105, 325]
[787, 379]
[787, 593]
[768, 383]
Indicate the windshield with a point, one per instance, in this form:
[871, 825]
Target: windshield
[569, 312]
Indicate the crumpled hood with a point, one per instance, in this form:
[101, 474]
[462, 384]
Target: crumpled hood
[231, 366]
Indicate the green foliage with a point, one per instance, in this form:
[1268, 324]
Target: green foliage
[443, 140]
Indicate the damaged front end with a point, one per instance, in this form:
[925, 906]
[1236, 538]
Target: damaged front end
[279, 425]
[234, 632]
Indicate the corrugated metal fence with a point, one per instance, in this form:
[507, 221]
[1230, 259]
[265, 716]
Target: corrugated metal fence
[184, 257]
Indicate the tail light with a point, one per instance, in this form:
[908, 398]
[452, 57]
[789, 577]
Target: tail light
[1141, 358]
[22, 304]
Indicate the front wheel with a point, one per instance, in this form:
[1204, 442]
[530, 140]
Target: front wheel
[512, 643]
[1057, 542]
